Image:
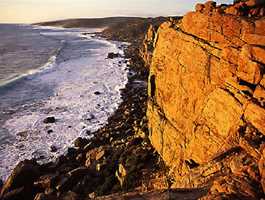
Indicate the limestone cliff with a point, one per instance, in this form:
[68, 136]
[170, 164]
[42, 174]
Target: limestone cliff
[206, 106]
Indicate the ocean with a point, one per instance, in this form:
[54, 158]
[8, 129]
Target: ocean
[54, 72]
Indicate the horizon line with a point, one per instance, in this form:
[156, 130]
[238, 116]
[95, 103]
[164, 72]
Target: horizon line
[96, 17]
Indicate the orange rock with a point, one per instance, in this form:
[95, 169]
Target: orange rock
[231, 29]
[258, 54]
[253, 3]
[256, 116]
[248, 27]
[195, 24]
[232, 83]
[248, 70]
[199, 7]
[262, 82]
[232, 10]
[222, 112]
[206, 86]
[148, 46]
[259, 27]
[209, 6]
[230, 54]
[254, 39]
[259, 94]
[218, 28]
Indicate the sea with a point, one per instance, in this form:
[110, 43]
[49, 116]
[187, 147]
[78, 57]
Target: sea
[54, 72]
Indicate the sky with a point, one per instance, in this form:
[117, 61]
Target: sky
[29, 11]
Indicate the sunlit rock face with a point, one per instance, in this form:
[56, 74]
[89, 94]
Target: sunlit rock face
[206, 106]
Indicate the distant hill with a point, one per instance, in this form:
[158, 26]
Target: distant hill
[131, 30]
[92, 22]
[128, 29]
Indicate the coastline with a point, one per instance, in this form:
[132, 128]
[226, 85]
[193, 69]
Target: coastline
[115, 141]
[48, 134]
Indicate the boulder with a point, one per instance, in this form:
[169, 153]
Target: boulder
[71, 178]
[252, 3]
[71, 153]
[254, 39]
[199, 7]
[96, 154]
[16, 194]
[100, 154]
[92, 195]
[22, 193]
[121, 174]
[24, 175]
[259, 26]
[49, 120]
[262, 82]
[248, 70]
[80, 157]
[78, 172]
[81, 142]
[209, 6]
[258, 54]
[46, 181]
[256, 116]
[259, 94]
[232, 10]
[53, 148]
[113, 55]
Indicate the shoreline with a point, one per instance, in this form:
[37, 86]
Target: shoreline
[113, 139]
[64, 121]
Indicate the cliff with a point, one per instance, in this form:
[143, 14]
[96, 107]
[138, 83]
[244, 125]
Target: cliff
[206, 106]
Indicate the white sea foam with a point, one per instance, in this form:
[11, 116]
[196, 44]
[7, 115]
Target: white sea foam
[86, 93]
[46, 66]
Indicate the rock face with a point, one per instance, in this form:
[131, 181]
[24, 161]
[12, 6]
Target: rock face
[148, 45]
[206, 107]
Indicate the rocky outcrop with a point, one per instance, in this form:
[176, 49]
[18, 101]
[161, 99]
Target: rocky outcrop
[147, 49]
[206, 106]
[149, 42]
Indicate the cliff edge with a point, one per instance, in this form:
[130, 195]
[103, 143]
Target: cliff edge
[206, 106]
